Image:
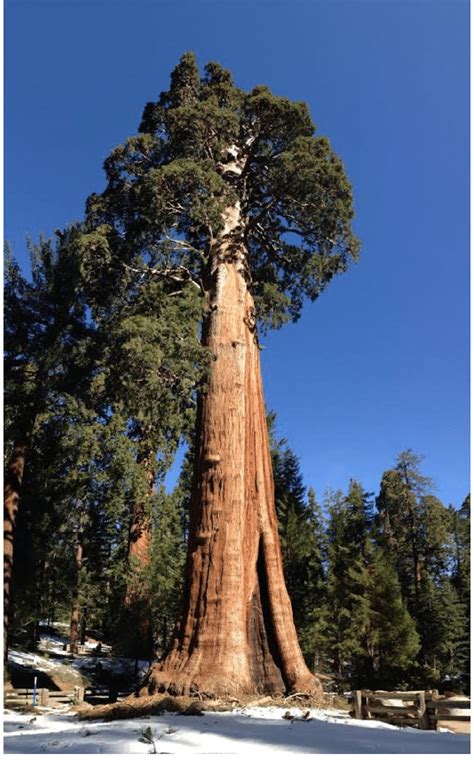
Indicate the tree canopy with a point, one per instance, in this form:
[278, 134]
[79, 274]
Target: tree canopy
[203, 145]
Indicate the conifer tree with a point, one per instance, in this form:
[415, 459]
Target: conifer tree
[47, 336]
[348, 581]
[370, 636]
[151, 366]
[415, 525]
[460, 527]
[303, 545]
[168, 556]
[235, 194]
[393, 641]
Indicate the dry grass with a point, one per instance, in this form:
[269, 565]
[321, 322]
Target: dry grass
[132, 707]
[21, 708]
[152, 705]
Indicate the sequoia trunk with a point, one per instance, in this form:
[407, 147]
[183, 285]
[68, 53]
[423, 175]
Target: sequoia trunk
[236, 632]
[13, 481]
[136, 631]
[74, 628]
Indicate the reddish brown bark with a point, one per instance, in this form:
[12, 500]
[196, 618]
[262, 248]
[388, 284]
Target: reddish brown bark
[236, 632]
[74, 628]
[136, 631]
[11, 497]
[83, 631]
[139, 534]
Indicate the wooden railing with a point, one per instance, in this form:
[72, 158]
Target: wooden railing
[42, 697]
[421, 708]
[98, 695]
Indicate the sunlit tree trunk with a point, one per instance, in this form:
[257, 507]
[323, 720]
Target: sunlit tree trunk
[236, 631]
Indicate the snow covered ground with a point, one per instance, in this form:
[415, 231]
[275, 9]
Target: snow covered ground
[62, 664]
[243, 731]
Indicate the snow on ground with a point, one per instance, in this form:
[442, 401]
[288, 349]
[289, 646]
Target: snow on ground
[91, 667]
[243, 731]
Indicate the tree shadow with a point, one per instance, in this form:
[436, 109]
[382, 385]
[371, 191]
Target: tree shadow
[23, 676]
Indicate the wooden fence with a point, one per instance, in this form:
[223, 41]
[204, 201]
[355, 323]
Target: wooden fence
[99, 651]
[42, 697]
[419, 708]
[98, 695]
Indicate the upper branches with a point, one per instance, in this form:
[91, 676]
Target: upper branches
[203, 146]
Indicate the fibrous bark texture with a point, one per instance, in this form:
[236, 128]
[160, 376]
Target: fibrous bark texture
[236, 632]
[136, 636]
[13, 480]
[74, 627]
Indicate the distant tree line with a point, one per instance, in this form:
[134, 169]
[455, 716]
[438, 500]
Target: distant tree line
[380, 589]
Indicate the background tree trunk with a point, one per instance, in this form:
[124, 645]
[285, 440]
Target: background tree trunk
[136, 634]
[74, 628]
[236, 630]
[11, 497]
[83, 633]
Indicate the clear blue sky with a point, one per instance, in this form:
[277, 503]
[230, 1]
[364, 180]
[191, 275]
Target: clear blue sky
[380, 362]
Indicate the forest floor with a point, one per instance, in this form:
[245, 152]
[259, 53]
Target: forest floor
[241, 731]
[225, 729]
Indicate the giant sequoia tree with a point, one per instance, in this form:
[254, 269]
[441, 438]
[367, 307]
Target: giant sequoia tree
[234, 193]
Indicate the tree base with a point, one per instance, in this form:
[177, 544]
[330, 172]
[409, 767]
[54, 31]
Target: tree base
[213, 685]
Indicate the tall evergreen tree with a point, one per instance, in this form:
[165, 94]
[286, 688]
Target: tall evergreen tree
[392, 640]
[151, 366]
[348, 580]
[415, 525]
[460, 527]
[232, 192]
[370, 636]
[302, 543]
[47, 335]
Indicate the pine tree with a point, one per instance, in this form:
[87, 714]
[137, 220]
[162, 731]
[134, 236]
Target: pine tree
[233, 193]
[149, 366]
[47, 335]
[302, 541]
[312, 632]
[460, 526]
[167, 565]
[393, 641]
[370, 636]
[348, 582]
[415, 527]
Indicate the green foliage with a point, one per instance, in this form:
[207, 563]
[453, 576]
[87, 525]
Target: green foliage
[103, 365]
[348, 579]
[421, 536]
[47, 335]
[393, 641]
[303, 543]
[168, 555]
[169, 186]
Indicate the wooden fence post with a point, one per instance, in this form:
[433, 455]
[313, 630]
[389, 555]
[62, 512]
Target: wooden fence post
[44, 699]
[78, 695]
[357, 701]
[422, 712]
